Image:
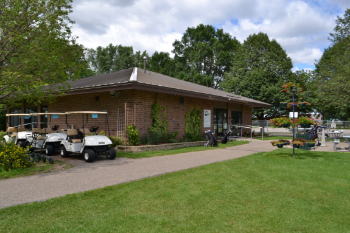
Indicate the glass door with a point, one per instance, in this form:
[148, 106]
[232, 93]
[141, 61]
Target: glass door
[220, 121]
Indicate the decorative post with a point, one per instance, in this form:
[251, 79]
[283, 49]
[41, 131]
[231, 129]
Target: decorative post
[293, 89]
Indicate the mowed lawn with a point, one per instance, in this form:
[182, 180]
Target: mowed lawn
[263, 192]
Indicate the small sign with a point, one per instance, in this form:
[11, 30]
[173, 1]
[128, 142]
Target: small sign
[291, 114]
[26, 117]
[94, 115]
[54, 116]
[207, 118]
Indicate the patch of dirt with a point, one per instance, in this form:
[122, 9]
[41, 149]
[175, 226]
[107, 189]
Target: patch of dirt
[57, 166]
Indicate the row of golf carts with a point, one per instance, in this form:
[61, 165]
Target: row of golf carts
[69, 140]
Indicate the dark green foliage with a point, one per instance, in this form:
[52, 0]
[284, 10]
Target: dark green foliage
[113, 58]
[331, 78]
[116, 141]
[204, 55]
[133, 135]
[37, 49]
[159, 128]
[259, 69]
[193, 125]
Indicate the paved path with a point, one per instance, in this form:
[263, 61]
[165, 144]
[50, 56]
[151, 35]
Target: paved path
[87, 176]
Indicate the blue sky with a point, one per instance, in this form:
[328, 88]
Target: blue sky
[300, 26]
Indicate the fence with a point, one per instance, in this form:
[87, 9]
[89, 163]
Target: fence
[125, 117]
[268, 127]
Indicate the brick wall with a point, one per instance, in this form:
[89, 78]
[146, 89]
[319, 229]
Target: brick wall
[139, 100]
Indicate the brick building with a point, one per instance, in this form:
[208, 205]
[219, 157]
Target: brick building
[128, 95]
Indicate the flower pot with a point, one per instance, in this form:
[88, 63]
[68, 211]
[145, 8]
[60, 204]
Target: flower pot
[305, 125]
[296, 146]
[286, 143]
[285, 125]
[283, 105]
[302, 105]
[293, 89]
[311, 144]
[280, 145]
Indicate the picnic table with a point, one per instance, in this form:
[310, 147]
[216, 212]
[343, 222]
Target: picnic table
[336, 134]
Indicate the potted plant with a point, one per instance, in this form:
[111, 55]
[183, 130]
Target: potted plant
[283, 105]
[305, 122]
[284, 141]
[311, 143]
[297, 144]
[280, 122]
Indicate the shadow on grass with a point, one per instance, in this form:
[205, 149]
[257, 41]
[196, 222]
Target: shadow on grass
[299, 154]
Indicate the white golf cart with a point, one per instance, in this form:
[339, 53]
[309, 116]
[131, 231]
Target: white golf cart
[80, 142]
[18, 134]
[44, 138]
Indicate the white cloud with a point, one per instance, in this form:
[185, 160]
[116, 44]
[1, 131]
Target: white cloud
[301, 27]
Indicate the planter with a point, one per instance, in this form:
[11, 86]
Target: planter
[293, 89]
[311, 144]
[296, 146]
[285, 125]
[280, 145]
[286, 143]
[305, 125]
[283, 105]
[167, 146]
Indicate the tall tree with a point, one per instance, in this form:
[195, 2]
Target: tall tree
[113, 58]
[332, 73]
[37, 49]
[204, 55]
[259, 70]
[162, 63]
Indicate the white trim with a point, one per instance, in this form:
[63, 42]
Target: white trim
[133, 76]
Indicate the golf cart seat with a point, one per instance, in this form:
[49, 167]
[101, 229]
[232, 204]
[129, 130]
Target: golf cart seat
[21, 129]
[38, 131]
[71, 133]
[85, 131]
[11, 129]
[40, 138]
[13, 134]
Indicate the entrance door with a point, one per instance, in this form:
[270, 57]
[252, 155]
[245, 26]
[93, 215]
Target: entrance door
[220, 121]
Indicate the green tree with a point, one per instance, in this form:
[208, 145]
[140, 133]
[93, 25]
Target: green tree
[37, 49]
[260, 68]
[113, 58]
[162, 63]
[331, 76]
[204, 55]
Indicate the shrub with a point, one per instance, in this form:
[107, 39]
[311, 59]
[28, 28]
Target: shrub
[14, 157]
[116, 141]
[2, 134]
[159, 127]
[193, 125]
[133, 135]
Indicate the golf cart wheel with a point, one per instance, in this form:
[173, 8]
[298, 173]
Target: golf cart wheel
[63, 152]
[112, 153]
[49, 150]
[21, 143]
[205, 145]
[44, 159]
[89, 155]
[38, 159]
[51, 160]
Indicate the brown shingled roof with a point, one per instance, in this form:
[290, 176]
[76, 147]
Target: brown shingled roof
[135, 78]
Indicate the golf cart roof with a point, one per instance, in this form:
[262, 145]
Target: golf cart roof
[18, 114]
[86, 112]
[47, 113]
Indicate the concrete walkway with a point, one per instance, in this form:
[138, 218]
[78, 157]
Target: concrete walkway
[87, 176]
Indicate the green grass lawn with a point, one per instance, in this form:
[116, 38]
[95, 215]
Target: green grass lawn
[263, 192]
[274, 137]
[38, 168]
[147, 154]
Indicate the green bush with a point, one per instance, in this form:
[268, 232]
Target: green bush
[159, 128]
[153, 138]
[116, 141]
[13, 157]
[193, 125]
[133, 135]
[2, 134]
